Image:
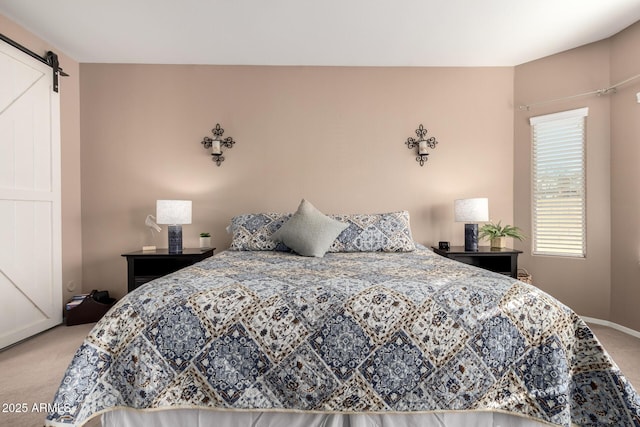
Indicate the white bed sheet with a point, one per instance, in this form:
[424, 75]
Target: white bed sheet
[205, 418]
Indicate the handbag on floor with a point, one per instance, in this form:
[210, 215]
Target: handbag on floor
[91, 309]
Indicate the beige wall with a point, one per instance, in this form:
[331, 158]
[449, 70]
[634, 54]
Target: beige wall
[332, 135]
[605, 284]
[625, 180]
[582, 283]
[70, 147]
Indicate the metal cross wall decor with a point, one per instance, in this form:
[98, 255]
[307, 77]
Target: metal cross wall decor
[422, 144]
[216, 143]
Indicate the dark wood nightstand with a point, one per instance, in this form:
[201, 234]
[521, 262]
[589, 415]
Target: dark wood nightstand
[144, 266]
[504, 260]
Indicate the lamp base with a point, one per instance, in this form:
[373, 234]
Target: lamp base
[175, 239]
[471, 237]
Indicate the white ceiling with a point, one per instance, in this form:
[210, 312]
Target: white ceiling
[320, 32]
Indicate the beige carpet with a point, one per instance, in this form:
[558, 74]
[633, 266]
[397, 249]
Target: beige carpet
[30, 372]
[624, 349]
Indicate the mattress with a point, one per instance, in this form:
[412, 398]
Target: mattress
[207, 418]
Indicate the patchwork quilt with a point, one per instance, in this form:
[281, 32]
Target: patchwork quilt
[347, 333]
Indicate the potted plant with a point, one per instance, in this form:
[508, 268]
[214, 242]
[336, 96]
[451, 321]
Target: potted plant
[498, 233]
[205, 240]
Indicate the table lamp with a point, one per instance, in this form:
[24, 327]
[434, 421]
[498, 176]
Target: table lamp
[174, 213]
[471, 211]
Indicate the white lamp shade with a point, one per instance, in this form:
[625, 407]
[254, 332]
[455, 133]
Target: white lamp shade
[173, 211]
[471, 210]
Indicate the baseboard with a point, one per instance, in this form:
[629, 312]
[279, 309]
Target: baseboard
[611, 325]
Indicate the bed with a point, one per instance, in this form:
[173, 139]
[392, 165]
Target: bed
[375, 331]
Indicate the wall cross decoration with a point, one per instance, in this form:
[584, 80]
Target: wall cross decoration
[216, 143]
[422, 144]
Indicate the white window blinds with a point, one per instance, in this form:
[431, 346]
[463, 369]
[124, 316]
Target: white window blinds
[558, 183]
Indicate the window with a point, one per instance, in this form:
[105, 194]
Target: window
[558, 183]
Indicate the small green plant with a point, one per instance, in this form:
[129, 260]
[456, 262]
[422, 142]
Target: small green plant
[492, 231]
[205, 234]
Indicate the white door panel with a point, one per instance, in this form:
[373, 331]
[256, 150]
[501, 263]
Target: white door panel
[20, 72]
[30, 240]
[27, 165]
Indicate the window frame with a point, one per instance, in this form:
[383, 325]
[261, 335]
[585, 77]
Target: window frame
[566, 121]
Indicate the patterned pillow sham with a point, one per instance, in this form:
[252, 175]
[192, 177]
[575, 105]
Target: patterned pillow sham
[387, 232]
[252, 232]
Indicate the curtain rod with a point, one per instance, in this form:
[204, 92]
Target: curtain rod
[51, 59]
[599, 92]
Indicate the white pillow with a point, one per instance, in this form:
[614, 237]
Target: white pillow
[309, 232]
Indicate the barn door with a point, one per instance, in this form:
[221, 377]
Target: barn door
[30, 223]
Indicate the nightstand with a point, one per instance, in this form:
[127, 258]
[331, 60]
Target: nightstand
[144, 266]
[502, 260]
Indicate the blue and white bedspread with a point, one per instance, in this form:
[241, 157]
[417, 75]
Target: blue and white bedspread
[349, 333]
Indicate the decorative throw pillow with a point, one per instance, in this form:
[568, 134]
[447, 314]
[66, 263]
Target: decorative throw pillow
[386, 232]
[309, 232]
[252, 232]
